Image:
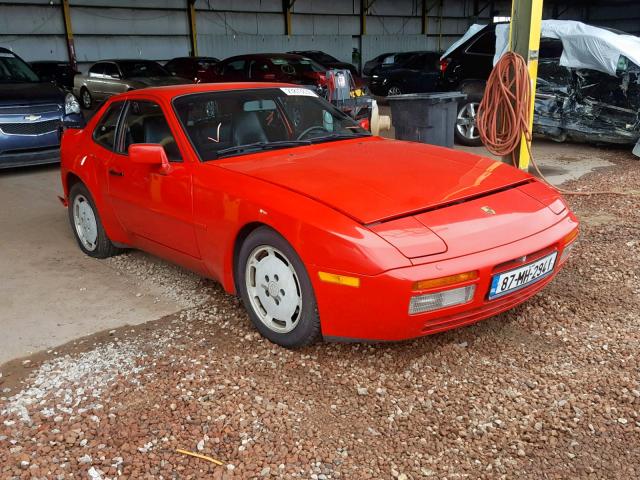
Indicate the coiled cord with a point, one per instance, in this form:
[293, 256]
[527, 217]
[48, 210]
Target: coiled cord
[504, 112]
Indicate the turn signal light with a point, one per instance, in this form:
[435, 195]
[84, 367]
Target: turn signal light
[445, 281]
[339, 279]
[570, 237]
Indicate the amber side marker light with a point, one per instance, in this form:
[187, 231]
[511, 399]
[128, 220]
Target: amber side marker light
[567, 245]
[339, 279]
[570, 237]
[445, 281]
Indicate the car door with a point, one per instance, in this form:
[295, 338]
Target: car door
[112, 80]
[477, 60]
[94, 81]
[155, 207]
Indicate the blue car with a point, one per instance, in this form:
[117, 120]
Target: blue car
[31, 114]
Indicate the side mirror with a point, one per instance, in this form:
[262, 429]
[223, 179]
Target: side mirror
[151, 154]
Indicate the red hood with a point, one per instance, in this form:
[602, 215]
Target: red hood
[372, 179]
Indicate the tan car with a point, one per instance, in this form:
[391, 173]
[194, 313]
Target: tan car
[110, 77]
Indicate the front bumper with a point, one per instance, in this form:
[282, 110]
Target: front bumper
[30, 157]
[378, 309]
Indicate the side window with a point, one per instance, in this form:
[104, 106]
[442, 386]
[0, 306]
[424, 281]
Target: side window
[550, 48]
[485, 44]
[97, 69]
[144, 122]
[257, 68]
[111, 70]
[105, 132]
[237, 66]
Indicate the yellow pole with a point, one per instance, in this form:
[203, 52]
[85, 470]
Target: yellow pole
[68, 30]
[524, 38]
[193, 32]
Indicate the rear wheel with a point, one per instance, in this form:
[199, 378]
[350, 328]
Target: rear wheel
[276, 290]
[85, 97]
[466, 132]
[86, 224]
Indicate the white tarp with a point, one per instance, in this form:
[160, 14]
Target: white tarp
[583, 46]
[473, 29]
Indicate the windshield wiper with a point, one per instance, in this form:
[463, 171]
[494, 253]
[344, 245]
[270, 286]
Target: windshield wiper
[258, 146]
[338, 136]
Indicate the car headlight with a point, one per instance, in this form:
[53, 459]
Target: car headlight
[71, 104]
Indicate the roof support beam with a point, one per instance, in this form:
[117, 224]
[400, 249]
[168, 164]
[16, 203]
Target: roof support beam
[193, 32]
[68, 30]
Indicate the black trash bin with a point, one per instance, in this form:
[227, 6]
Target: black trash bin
[425, 117]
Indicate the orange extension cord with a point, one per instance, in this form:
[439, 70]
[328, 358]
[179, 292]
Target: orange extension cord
[503, 116]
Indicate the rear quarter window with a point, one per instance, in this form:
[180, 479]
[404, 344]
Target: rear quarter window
[105, 132]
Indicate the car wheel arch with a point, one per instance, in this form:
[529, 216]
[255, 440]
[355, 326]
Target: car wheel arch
[241, 235]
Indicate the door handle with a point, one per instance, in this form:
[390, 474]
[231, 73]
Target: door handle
[116, 173]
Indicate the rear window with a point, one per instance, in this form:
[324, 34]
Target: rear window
[485, 44]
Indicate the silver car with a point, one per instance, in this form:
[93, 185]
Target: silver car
[110, 77]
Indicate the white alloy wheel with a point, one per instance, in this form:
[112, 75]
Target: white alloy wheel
[84, 220]
[273, 289]
[466, 121]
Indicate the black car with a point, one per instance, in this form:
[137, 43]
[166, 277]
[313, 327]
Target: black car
[59, 73]
[389, 59]
[31, 112]
[326, 60]
[197, 69]
[577, 104]
[417, 74]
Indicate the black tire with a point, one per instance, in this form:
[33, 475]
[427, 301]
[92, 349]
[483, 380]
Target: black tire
[472, 98]
[85, 98]
[103, 246]
[307, 327]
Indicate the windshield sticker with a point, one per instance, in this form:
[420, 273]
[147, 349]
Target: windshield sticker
[304, 92]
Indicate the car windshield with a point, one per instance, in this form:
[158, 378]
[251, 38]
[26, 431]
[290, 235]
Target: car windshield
[14, 70]
[234, 122]
[293, 65]
[133, 68]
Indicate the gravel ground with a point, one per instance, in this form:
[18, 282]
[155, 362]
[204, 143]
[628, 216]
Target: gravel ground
[548, 390]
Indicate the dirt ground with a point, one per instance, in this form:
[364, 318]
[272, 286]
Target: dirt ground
[548, 390]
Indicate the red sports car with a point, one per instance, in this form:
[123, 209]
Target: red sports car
[321, 228]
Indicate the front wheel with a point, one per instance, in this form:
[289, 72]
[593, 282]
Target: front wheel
[466, 132]
[276, 290]
[86, 224]
[85, 97]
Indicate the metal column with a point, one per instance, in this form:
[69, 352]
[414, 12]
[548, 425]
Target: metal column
[68, 30]
[524, 39]
[193, 32]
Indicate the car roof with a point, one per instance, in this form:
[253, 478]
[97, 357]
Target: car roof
[264, 55]
[171, 91]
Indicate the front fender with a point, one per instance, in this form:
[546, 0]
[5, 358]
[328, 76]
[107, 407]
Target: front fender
[323, 238]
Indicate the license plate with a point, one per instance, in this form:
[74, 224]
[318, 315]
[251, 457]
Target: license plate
[507, 282]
